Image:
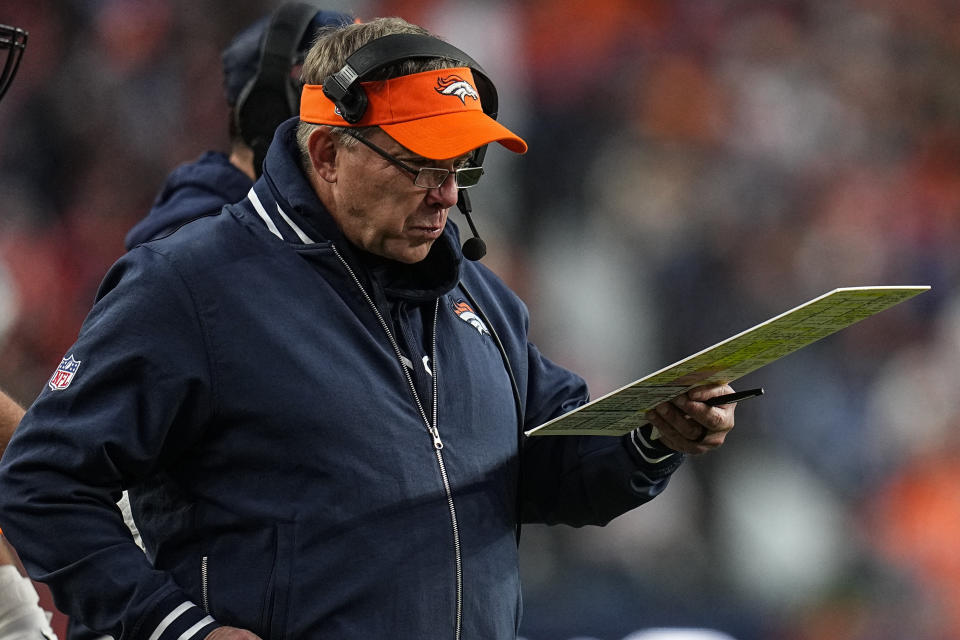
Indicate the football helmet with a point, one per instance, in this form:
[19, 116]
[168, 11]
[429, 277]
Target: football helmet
[13, 41]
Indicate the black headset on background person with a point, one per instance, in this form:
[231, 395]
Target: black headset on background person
[345, 91]
[273, 95]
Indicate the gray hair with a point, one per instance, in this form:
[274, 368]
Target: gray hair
[331, 50]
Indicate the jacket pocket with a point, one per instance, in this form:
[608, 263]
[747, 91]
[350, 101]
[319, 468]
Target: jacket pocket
[245, 579]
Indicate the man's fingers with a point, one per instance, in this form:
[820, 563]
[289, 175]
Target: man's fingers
[677, 420]
[690, 426]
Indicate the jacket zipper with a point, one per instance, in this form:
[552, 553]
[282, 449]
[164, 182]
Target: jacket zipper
[204, 584]
[432, 429]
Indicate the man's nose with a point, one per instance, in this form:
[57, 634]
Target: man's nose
[446, 194]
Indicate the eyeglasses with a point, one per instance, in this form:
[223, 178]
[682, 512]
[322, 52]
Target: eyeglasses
[427, 177]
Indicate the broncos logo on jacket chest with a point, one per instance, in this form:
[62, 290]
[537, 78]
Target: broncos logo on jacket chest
[466, 313]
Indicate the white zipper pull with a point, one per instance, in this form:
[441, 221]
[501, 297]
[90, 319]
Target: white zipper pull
[437, 442]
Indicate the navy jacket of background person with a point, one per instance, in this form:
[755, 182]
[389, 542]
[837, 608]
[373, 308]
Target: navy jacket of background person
[235, 376]
[191, 190]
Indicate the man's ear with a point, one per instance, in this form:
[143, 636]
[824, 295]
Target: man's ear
[323, 154]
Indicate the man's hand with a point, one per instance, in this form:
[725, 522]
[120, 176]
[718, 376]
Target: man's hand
[687, 424]
[231, 633]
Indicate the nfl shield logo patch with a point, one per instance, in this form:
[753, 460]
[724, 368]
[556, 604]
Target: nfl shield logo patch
[63, 376]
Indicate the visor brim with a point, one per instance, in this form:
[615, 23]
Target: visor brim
[452, 135]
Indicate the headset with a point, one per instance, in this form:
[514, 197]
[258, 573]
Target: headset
[272, 95]
[13, 40]
[343, 88]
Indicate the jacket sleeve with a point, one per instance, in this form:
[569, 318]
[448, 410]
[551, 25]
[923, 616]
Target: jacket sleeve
[579, 480]
[133, 391]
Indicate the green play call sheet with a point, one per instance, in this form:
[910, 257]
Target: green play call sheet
[622, 410]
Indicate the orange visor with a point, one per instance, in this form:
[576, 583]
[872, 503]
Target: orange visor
[434, 114]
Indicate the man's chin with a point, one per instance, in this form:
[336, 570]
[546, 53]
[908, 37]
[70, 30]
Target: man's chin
[410, 254]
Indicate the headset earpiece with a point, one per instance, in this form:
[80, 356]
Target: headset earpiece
[350, 99]
[272, 95]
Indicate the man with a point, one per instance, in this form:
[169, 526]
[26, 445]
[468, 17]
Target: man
[311, 399]
[203, 186]
[216, 179]
[21, 617]
[13, 42]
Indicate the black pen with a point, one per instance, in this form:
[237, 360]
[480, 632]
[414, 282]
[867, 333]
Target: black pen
[731, 398]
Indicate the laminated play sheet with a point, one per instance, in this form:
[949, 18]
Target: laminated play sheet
[622, 410]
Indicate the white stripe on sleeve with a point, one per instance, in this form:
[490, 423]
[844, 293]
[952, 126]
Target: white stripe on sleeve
[168, 620]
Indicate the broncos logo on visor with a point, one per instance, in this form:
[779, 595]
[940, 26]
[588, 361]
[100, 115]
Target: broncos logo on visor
[456, 86]
[466, 313]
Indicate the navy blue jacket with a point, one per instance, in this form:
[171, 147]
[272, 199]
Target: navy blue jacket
[191, 190]
[266, 393]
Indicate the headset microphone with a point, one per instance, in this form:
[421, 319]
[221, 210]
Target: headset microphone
[474, 248]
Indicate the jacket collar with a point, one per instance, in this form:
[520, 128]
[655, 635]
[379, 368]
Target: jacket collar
[286, 204]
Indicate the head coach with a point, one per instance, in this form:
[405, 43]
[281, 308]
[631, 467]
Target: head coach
[315, 401]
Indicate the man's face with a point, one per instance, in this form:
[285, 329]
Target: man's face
[378, 206]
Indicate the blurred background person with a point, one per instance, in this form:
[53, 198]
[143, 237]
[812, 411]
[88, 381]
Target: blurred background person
[216, 178]
[731, 159]
[21, 617]
[260, 96]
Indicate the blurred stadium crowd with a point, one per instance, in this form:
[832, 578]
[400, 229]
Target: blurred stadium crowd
[696, 167]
